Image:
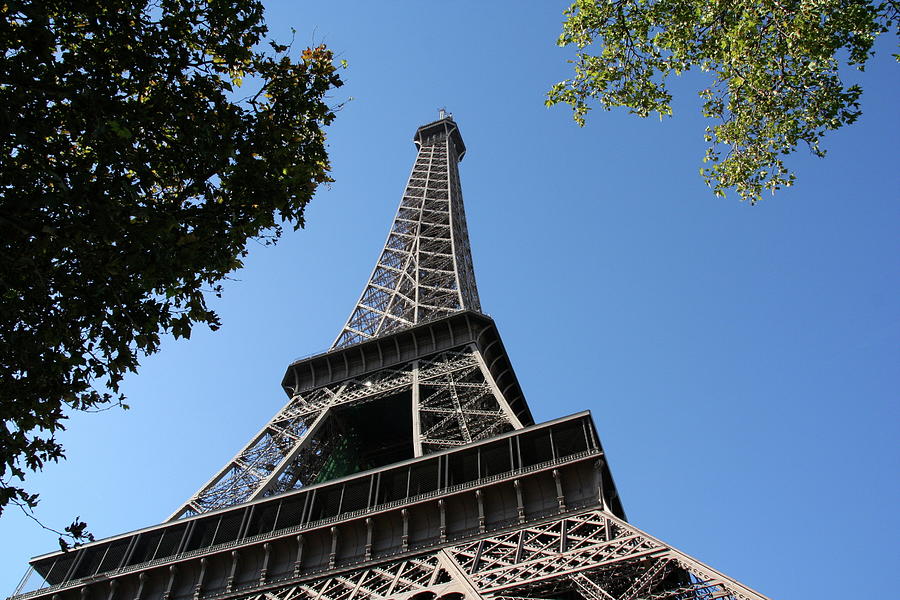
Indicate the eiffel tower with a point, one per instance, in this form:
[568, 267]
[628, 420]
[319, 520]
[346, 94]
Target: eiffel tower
[405, 465]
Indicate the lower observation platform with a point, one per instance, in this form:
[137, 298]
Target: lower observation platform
[367, 519]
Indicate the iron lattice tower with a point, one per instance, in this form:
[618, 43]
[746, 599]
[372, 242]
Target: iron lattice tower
[405, 465]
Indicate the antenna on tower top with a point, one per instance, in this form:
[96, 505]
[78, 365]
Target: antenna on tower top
[442, 113]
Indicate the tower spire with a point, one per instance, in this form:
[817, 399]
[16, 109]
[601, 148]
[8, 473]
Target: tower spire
[425, 270]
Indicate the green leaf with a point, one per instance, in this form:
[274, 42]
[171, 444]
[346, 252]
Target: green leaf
[775, 67]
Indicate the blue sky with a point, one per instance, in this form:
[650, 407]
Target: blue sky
[741, 362]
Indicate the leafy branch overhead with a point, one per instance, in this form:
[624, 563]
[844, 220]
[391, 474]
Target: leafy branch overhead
[144, 144]
[774, 72]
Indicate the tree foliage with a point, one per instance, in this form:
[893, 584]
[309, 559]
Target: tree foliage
[774, 72]
[134, 169]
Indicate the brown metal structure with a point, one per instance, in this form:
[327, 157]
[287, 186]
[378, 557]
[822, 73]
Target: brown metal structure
[405, 465]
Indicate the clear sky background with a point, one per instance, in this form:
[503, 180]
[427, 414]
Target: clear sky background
[741, 362]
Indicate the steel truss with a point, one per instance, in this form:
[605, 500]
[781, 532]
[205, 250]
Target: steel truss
[594, 555]
[425, 270]
[455, 401]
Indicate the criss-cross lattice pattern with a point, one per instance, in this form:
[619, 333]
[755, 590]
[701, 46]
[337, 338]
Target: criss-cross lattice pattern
[286, 441]
[593, 554]
[425, 270]
[597, 555]
[378, 582]
[458, 403]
